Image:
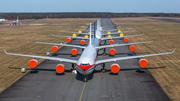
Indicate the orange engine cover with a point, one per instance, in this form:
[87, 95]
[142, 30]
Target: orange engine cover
[126, 40]
[83, 42]
[143, 63]
[33, 63]
[132, 48]
[112, 51]
[111, 42]
[115, 68]
[60, 68]
[19, 23]
[74, 51]
[5, 22]
[24, 22]
[55, 48]
[68, 40]
[9, 23]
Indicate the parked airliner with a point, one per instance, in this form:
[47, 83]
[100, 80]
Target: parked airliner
[87, 62]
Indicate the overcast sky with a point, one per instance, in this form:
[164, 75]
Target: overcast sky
[115, 6]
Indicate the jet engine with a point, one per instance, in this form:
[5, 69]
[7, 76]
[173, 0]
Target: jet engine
[143, 63]
[132, 48]
[111, 42]
[5, 22]
[9, 23]
[74, 51]
[19, 24]
[55, 48]
[68, 40]
[60, 68]
[83, 42]
[115, 68]
[24, 22]
[126, 40]
[112, 51]
[33, 63]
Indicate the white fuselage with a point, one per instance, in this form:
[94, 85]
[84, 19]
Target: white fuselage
[86, 62]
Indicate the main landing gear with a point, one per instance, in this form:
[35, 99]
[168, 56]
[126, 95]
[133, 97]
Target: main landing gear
[73, 70]
[103, 70]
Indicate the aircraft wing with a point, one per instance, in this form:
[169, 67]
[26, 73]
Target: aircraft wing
[60, 44]
[70, 37]
[44, 57]
[118, 33]
[106, 38]
[76, 29]
[74, 32]
[129, 57]
[115, 29]
[115, 45]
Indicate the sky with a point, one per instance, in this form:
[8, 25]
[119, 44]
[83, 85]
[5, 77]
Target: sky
[114, 6]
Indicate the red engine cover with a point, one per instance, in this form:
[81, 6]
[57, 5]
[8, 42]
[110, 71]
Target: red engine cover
[33, 63]
[115, 68]
[19, 23]
[24, 22]
[83, 42]
[143, 63]
[68, 40]
[9, 23]
[132, 48]
[55, 48]
[74, 51]
[112, 51]
[126, 40]
[111, 42]
[60, 68]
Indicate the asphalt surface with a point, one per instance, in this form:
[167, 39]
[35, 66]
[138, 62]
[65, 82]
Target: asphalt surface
[128, 85]
[167, 19]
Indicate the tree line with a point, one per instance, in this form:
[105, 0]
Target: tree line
[83, 15]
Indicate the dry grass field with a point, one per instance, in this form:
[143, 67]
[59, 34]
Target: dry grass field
[165, 69]
[19, 39]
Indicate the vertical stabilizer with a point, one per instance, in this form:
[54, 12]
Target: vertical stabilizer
[94, 29]
[90, 35]
[17, 19]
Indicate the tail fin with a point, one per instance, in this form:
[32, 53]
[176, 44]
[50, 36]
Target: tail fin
[94, 29]
[17, 19]
[90, 35]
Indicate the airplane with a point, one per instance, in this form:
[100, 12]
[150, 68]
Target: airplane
[15, 22]
[87, 62]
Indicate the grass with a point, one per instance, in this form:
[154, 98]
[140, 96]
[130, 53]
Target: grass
[19, 39]
[167, 35]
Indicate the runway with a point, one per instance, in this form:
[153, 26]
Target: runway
[45, 85]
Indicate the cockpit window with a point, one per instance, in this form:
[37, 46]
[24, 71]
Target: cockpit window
[84, 64]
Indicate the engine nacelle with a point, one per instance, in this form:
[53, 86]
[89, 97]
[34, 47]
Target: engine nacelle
[60, 68]
[132, 48]
[5, 22]
[55, 48]
[68, 40]
[143, 63]
[115, 68]
[24, 22]
[111, 42]
[74, 52]
[9, 23]
[19, 24]
[126, 40]
[33, 63]
[83, 42]
[112, 51]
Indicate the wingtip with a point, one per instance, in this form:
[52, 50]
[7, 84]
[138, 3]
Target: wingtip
[51, 34]
[34, 41]
[5, 51]
[154, 40]
[173, 50]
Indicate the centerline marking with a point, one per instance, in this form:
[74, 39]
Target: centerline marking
[82, 91]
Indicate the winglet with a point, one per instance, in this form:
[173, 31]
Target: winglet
[173, 50]
[143, 34]
[154, 40]
[51, 34]
[5, 51]
[34, 41]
